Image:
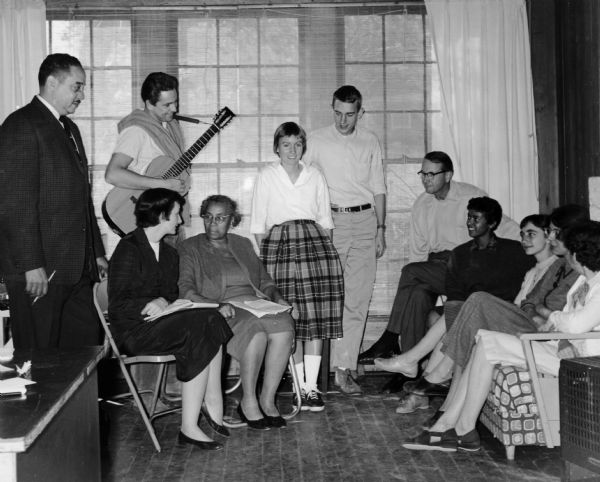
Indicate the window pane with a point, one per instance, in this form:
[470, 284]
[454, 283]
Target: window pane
[368, 79]
[112, 93]
[374, 122]
[198, 91]
[434, 101]
[197, 41]
[105, 138]
[403, 185]
[73, 37]
[404, 37]
[405, 87]
[238, 41]
[239, 89]
[112, 43]
[363, 38]
[405, 135]
[204, 183]
[240, 140]
[278, 41]
[279, 90]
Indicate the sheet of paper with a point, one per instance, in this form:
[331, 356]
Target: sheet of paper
[260, 308]
[14, 385]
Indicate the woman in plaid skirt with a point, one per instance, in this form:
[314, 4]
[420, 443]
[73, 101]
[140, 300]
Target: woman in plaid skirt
[291, 220]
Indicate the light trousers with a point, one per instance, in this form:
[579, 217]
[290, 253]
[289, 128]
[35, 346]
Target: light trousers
[354, 239]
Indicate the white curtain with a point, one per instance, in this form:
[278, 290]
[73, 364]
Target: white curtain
[482, 47]
[22, 49]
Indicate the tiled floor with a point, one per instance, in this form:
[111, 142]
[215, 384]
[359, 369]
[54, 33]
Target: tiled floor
[354, 439]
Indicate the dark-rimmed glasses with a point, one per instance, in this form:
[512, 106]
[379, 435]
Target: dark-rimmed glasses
[218, 219]
[430, 175]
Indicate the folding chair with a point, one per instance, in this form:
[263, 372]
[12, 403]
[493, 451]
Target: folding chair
[148, 415]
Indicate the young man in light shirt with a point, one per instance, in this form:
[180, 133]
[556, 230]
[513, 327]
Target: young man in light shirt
[350, 158]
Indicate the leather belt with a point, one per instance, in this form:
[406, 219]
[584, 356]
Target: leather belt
[351, 209]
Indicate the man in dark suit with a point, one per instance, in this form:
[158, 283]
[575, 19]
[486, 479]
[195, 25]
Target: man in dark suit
[50, 246]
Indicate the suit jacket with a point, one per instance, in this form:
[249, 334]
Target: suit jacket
[135, 278]
[201, 272]
[46, 213]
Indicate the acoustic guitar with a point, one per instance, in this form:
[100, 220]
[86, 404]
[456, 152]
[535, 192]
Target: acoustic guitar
[119, 205]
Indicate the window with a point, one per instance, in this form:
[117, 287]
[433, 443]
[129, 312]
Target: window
[268, 65]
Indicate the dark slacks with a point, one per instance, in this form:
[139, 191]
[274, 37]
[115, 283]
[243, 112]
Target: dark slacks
[420, 285]
[64, 318]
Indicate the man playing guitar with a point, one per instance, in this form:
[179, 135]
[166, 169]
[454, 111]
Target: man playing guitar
[147, 134]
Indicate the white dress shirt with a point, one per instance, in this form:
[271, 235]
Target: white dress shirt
[352, 164]
[277, 200]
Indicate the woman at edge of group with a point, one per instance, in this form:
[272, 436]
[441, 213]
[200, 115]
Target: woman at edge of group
[291, 220]
[142, 281]
[217, 266]
[455, 429]
[535, 242]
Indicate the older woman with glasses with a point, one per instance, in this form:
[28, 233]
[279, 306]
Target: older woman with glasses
[217, 266]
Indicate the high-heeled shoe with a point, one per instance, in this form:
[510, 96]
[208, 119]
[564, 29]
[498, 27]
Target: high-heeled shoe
[220, 429]
[276, 422]
[184, 439]
[260, 424]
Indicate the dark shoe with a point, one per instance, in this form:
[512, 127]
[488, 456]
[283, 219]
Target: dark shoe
[314, 401]
[260, 424]
[275, 422]
[469, 442]
[220, 429]
[395, 384]
[184, 439]
[379, 349]
[303, 402]
[430, 422]
[427, 389]
[441, 441]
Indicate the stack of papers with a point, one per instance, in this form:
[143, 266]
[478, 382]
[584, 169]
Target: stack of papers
[179, 305]
[260, 308]
[14, 386]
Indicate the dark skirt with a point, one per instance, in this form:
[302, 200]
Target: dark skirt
[301, 258]
[192, 336]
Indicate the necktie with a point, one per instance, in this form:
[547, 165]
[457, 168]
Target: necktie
[67, 129]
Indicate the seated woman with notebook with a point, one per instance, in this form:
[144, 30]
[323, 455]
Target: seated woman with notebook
[142, 281]
[217, 266]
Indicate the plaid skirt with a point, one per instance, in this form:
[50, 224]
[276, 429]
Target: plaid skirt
[301, 258]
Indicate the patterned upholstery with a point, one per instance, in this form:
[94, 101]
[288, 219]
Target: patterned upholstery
[510, 411]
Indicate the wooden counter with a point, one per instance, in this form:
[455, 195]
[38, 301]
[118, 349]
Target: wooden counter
[53, 434]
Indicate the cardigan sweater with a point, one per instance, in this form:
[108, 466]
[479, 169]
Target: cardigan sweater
[201, 270]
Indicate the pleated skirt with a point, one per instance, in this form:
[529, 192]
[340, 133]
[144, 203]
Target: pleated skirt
[301, 258]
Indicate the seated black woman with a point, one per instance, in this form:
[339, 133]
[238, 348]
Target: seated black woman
[142, 281]
[217, 266]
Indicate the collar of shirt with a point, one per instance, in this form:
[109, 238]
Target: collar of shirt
[349, 137]
[490, 246]
[49, 106]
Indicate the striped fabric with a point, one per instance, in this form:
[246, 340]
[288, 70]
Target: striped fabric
[302, 260]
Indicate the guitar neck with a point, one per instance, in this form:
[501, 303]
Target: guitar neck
[188, 156]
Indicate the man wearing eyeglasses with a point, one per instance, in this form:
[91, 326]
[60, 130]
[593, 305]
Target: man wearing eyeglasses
[437, 225]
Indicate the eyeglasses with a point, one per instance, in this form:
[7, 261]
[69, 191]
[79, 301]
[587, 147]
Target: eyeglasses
[430, 175]
[219, 219]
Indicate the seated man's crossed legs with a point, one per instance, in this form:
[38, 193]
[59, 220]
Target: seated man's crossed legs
[420, 285]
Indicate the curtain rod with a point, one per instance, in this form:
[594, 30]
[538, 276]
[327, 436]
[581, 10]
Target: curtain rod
[240, 7]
